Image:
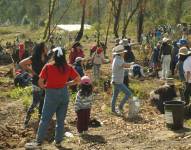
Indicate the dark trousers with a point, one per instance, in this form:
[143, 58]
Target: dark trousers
[83, 117]
[38, 101]
[187, 92]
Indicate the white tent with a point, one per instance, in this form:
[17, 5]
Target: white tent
[73, 27]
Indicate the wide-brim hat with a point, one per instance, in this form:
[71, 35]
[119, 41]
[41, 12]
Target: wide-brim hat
[164, 40]
[184, 51]
[125, 42]
[169, 81]
[118, 49]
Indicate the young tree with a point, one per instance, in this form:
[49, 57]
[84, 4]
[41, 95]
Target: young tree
[140, 19]
[80, 33]
[116, 4]
[126, 21]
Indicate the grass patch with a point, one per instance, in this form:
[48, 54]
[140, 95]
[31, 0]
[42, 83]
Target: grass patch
[5, 80]
[188, 122]
[23, 94]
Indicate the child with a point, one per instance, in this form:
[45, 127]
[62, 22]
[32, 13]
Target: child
[97, 60]
[78, 65]
[83, 104]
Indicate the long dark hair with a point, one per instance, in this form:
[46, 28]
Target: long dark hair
[38, 50]
[60, 62]
[37, 63]
[85, 90]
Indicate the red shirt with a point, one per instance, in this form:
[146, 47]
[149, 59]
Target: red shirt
[56, 78]
[74, 53]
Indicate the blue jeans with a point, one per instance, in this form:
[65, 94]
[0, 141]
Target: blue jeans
[118, 88]
[56, 101]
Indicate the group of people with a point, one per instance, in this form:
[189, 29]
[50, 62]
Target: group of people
[52, 74]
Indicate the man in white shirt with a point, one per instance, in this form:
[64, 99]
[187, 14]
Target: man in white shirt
[187, 74]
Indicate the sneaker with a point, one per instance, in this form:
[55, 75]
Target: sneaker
[57, 144]
[33, 145]
[116, 112]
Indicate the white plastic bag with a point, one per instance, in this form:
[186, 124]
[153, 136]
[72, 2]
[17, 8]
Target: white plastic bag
[134, 107]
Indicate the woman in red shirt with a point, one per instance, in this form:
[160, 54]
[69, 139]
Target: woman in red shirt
[54, 79]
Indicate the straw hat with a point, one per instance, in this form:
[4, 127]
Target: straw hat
[184, 51]
[165, 40]
[118, 49]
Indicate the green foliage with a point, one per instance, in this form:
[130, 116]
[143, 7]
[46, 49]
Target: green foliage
[23, 94]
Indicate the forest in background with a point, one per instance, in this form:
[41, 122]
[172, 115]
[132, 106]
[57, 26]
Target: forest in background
[119, 13]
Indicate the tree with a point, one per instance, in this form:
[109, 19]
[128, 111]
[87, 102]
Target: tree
[126, 21]
[50, 14]
[140, 19]
[80, 33]
[116, 4]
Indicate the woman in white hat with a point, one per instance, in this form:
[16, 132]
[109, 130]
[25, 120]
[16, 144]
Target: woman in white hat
[118, 66]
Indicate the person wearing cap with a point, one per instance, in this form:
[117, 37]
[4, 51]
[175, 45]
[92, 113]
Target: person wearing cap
[165, 54]
[54, 79]
[118, 66]
[78, 65]
[97, 61]
[166, 92]
[187, 74]
[75, 52]
[83, 104]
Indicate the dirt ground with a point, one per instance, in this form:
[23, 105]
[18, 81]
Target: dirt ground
[147, 132]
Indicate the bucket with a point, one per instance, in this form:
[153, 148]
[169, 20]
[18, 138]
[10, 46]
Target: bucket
[174, 114]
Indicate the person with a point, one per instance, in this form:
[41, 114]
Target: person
[182, 55]
[22, 52]
[118, 66]
[155, 59]
[83, 104]
[165, 54]
[164, 93]
[33, 65]
[54, 79]
[78, 65]
[187, 75]
[137, 71]
[174, 60]
[97, 60]
[75, 52]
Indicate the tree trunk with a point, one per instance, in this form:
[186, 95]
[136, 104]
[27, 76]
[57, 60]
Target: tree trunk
[99, 23]
[129, 18]
[80, 33]
[107, 32]
[178, 11]
[117, 12]
[140, 21]
[47, 28]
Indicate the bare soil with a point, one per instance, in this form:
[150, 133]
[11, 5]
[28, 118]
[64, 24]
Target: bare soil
[146, 132]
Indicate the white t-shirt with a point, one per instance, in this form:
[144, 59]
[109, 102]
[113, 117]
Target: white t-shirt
[117, 70]
[187, 67]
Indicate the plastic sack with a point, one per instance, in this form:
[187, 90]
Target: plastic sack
[134, 107]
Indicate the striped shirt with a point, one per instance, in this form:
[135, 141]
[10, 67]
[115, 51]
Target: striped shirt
[83, 102]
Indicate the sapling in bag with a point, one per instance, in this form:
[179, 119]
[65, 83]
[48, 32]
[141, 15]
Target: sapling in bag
[134, 107]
